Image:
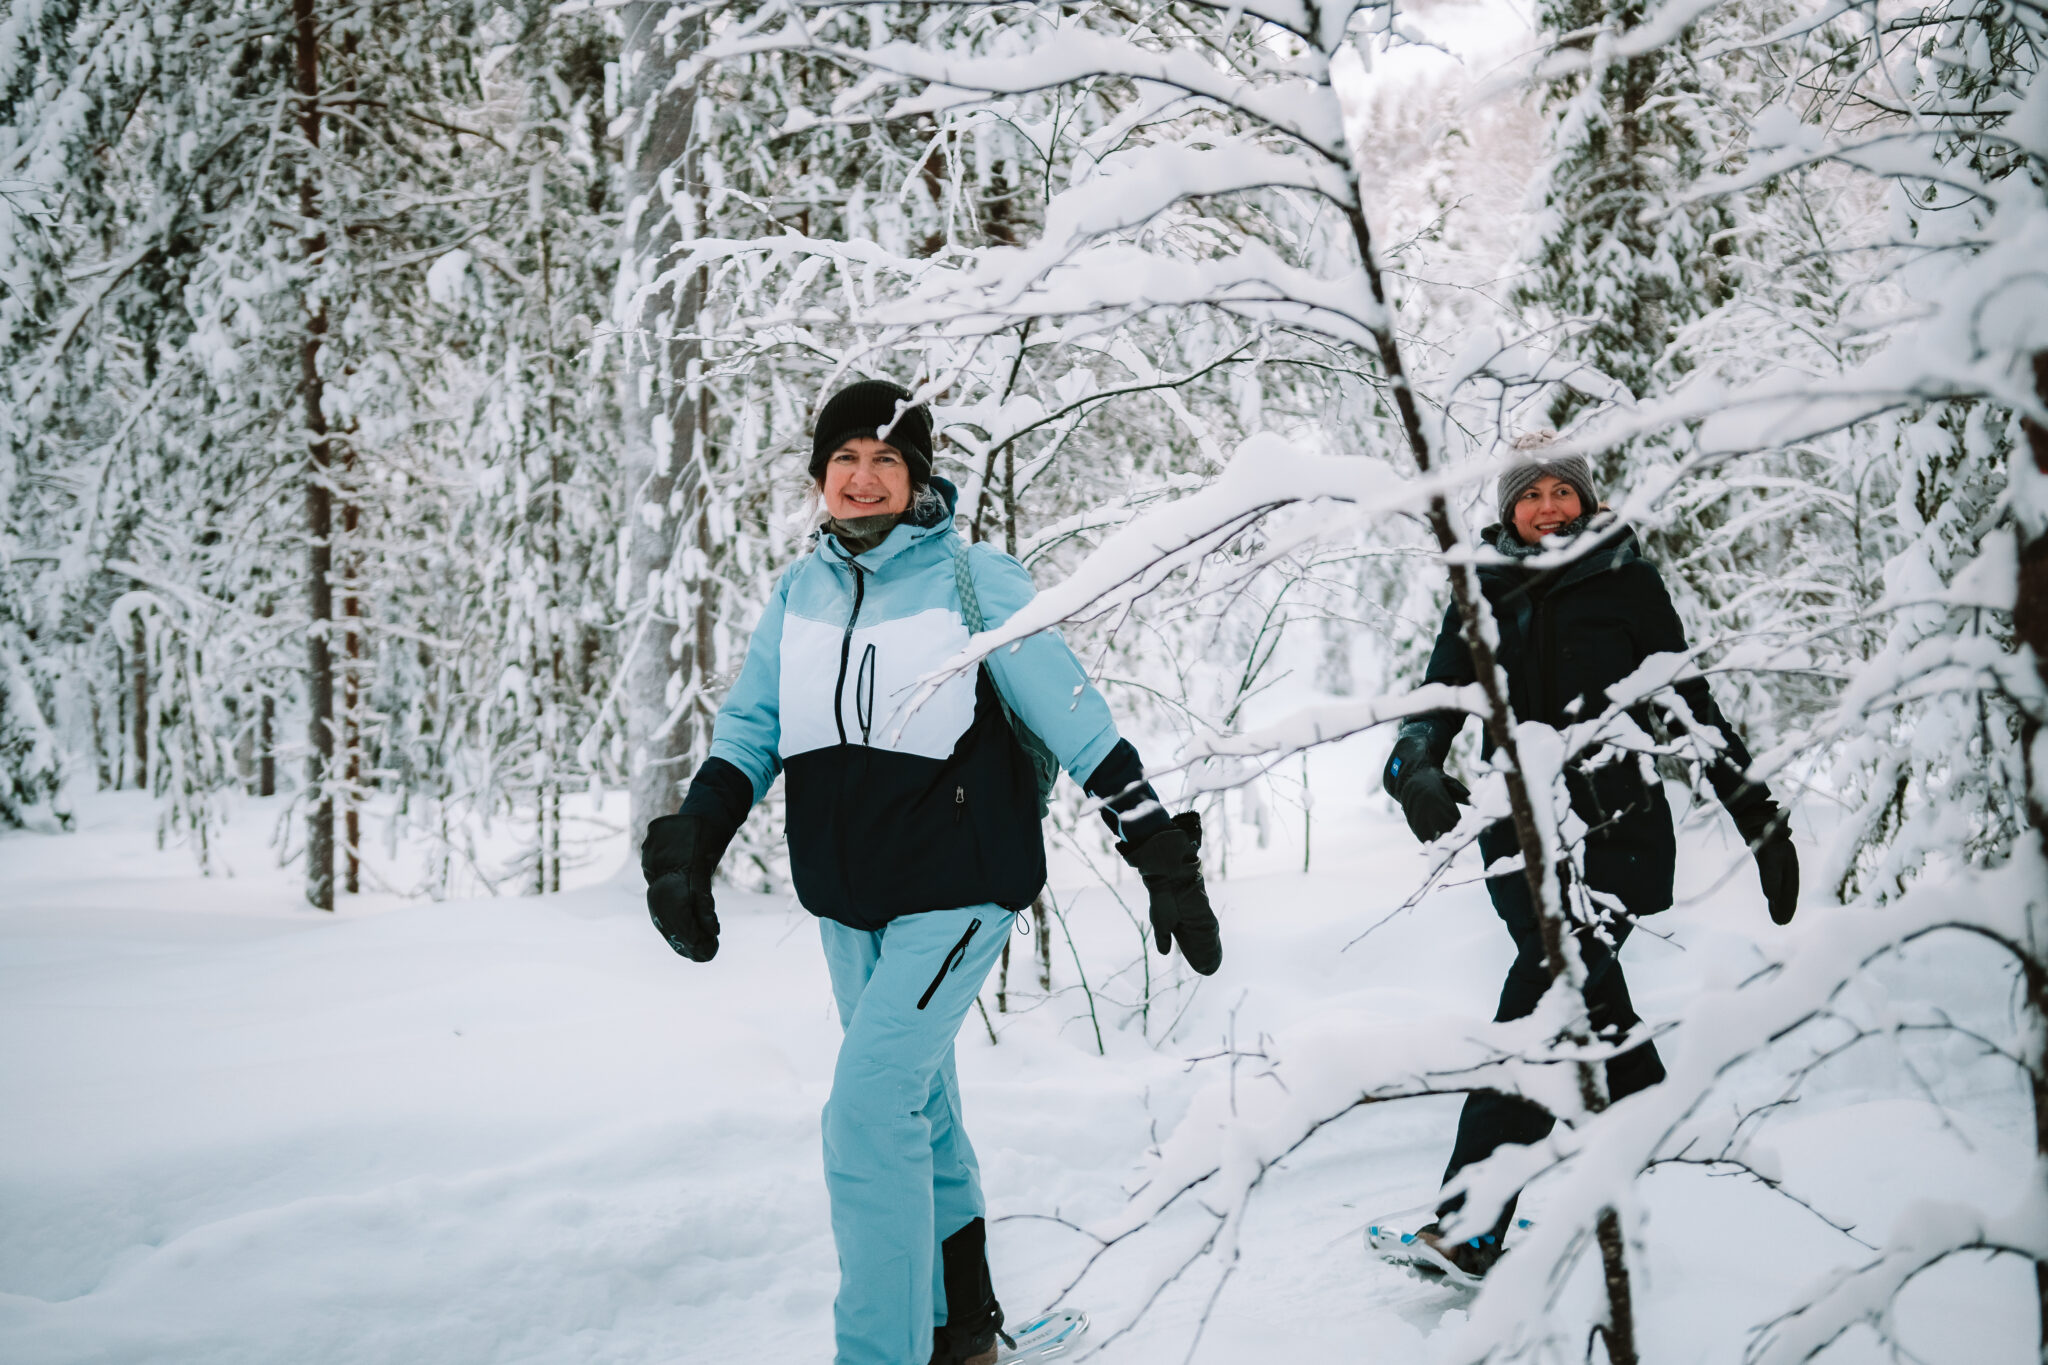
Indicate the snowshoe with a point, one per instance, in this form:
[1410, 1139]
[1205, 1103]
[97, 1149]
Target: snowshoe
[1045, 1338]
[973, 1331]
[1428, 1254]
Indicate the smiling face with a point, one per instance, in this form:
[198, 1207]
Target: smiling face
[865, 478]
[1546, 507]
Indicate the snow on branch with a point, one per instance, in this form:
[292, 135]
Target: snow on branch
[1298, 107]
[1266, 472]
[1116, 280]
[1924, 1235]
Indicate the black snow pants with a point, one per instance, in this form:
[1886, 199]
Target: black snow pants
[1490, 1119]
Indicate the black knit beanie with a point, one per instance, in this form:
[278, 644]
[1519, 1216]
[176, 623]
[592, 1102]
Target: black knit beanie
[864, 409]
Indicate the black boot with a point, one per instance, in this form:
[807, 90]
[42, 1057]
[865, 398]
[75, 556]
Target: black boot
[974, 1320]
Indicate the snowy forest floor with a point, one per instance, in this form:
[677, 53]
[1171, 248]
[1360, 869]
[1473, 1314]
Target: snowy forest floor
[521, 1130]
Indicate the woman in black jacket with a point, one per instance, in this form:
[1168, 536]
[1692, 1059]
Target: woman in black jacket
[1568, 632]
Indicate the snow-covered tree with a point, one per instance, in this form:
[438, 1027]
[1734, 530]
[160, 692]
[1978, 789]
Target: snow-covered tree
[1216, 149]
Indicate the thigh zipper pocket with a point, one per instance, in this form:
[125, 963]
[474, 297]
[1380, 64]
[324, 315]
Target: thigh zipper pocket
[953, 959]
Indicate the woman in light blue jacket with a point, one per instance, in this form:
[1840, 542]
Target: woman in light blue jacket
[913, 828]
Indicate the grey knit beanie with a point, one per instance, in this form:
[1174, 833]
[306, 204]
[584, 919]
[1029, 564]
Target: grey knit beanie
[1522, 475]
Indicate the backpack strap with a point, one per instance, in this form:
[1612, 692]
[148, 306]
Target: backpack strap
[963, 579]
[1044, 766]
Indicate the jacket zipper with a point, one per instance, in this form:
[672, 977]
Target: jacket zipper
[953, 959]
[846, 651]
[959, 803]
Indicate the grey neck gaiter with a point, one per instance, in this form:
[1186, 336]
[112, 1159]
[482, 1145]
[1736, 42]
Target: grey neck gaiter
[1514, 547]
[861, 534]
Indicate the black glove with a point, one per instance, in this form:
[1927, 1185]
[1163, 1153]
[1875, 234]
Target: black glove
[678, 857]
[1766, 831]
[1172, 873]
[681, 852]
[1430, 799]
[1429, 796]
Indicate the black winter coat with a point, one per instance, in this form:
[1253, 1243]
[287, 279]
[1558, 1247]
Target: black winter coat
[1566, 635]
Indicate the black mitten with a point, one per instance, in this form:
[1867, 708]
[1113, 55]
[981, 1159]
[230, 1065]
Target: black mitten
[681, 852]
[678, 859]
[1171, 867]
[1767, 832]
[1430, 799]
[1429, 796]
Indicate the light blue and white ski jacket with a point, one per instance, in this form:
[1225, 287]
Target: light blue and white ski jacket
[895, 808]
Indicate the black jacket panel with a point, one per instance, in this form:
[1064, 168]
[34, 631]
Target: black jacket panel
[875, 833]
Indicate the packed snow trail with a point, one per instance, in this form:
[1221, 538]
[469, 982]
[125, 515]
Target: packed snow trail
[522, 1130]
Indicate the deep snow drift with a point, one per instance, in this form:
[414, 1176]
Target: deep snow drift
[520, 1129]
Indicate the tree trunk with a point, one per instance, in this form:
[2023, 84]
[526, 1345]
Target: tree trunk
[660, 407]
[2030, 623]
[138, 658]
[351, 693]
[1010, 499]
[1041, 924]
[266, 737]
[551, 723]
[548, 796]
[101, 767]
[2030, 605]
[1619, 1333]
[266, 731]
[319, 502]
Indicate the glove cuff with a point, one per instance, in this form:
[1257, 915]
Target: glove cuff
[1119, 782]
[1411, 755]
[720, 795]
[696, 836]
[1759, 819]
[1138, 853]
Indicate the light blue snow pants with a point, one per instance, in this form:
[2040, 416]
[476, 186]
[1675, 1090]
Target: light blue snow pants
[898, 1167]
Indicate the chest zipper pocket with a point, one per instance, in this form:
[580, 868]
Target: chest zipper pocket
[953, 959]
[959, 803]
[864, 694]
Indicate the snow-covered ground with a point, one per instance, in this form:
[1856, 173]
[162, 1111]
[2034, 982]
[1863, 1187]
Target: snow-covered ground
[520, 1129]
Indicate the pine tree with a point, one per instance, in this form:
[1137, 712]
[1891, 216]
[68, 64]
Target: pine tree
[1619, 266]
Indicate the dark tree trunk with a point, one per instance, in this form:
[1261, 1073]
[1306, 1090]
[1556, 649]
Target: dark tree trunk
[319, 498]
[2030, 605]
[103, 769]
[266, 732]
[2030, 622]
[351, 697]
[138, 658]
[266, 738]
[1041, 925]
[551, 849]
[1010, 500]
